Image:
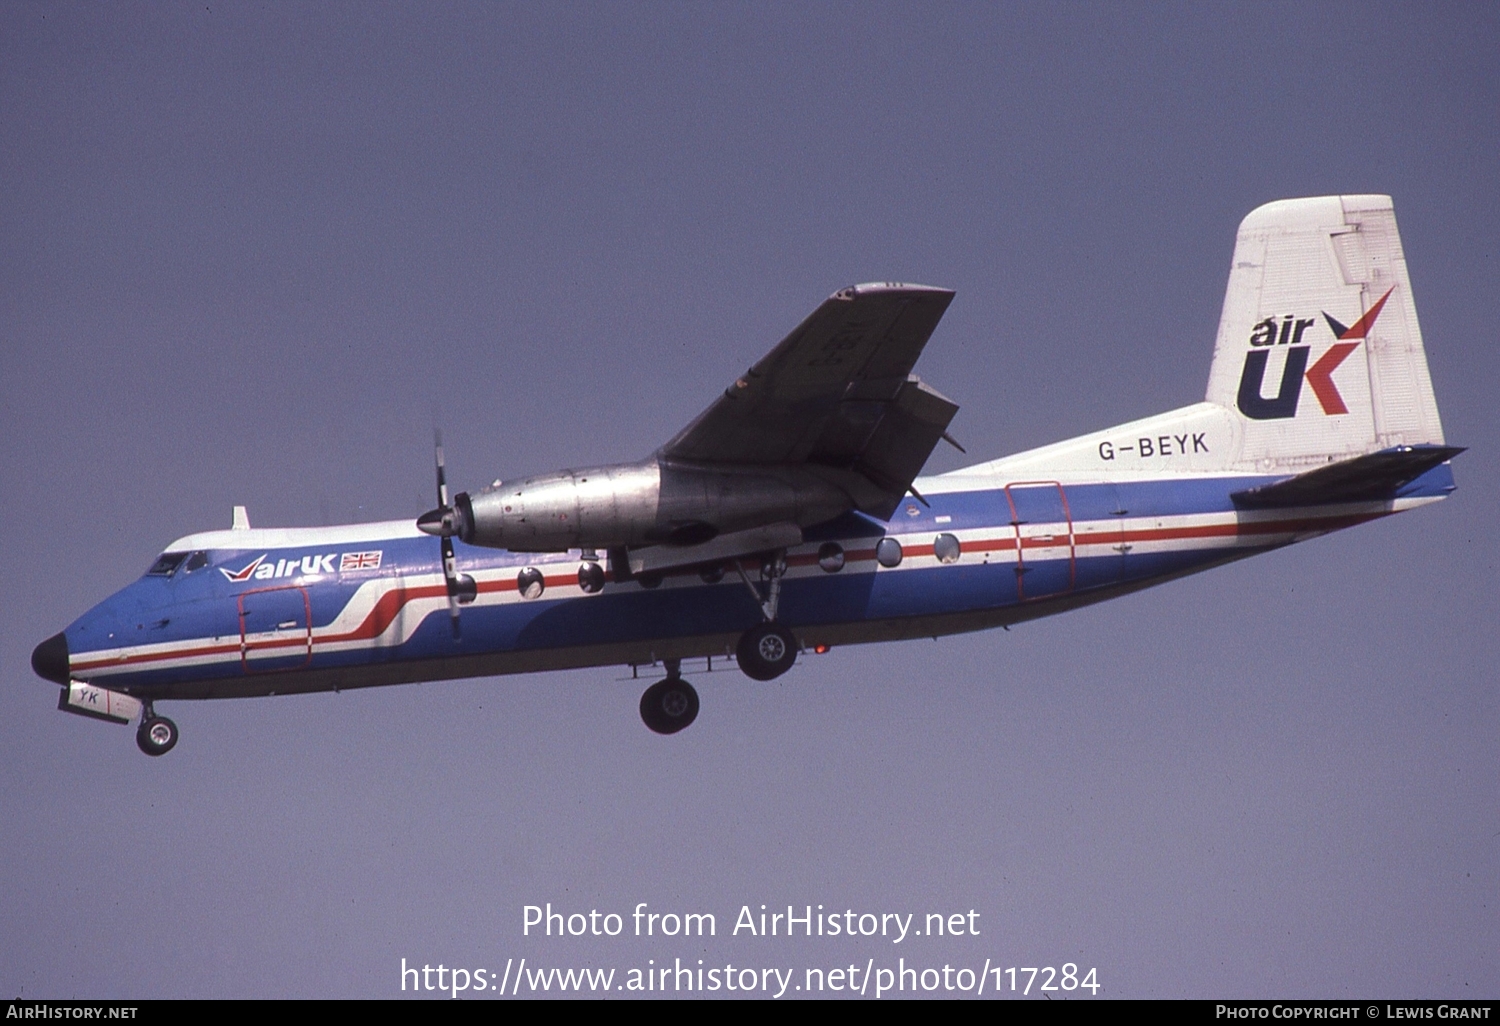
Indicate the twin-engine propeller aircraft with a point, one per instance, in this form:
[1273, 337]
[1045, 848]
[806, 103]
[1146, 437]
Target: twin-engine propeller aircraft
[789, 515]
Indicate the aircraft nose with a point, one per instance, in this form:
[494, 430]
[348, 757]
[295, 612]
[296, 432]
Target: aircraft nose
[50, 659]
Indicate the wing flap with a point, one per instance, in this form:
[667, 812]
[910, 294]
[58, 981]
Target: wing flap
[887, 441]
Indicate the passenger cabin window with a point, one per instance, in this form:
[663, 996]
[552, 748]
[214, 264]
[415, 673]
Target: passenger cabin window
[166, 564]
[197, 561]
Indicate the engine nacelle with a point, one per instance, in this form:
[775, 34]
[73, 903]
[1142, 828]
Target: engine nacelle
[648, 503]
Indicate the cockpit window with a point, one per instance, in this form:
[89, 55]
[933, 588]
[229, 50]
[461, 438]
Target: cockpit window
[197, 561]
[166, 564]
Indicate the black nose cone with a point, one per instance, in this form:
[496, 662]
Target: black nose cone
[50, 659]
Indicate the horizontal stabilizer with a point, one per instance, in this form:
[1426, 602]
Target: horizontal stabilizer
[1374, 476]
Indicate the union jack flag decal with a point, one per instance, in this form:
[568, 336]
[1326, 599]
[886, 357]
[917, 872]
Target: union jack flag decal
[360, 561]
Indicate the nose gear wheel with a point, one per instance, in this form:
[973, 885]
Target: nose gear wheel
[156, 735]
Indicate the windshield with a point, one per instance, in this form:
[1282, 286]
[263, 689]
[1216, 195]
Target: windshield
[166, 564]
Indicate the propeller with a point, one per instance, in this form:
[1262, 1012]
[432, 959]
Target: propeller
[445, 522]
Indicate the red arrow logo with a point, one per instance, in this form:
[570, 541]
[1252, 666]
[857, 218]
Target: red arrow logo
[243, 575]
[1320, 374]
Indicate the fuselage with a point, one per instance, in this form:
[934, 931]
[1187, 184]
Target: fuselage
[259, 612]
[788, 515]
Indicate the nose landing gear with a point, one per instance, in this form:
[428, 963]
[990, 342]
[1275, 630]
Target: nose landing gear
[156, 735]
[670, 705]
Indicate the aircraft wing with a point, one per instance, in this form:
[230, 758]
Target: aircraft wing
[837, 394]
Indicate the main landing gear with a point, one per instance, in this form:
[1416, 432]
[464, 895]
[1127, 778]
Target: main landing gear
[765, 652]
[156, 735]
[768, 649]
[671, 704]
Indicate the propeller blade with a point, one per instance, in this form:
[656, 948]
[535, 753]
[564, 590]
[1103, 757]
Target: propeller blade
[441, 522]
[450, 580]
[442, 475]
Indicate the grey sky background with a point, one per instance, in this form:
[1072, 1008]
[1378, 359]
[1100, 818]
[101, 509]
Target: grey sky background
[252, 253]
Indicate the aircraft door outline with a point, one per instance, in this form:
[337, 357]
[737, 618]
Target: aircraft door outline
[280, 621]
[1034, 506]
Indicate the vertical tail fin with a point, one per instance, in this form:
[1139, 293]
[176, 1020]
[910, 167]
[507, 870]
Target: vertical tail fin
[1319, 354]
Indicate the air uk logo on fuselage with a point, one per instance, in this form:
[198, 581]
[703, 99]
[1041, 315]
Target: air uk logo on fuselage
[1287, 331]
[260, 569]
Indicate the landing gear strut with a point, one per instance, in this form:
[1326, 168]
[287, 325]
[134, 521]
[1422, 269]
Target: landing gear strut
[768, 649]
[670, 705]
[156, 735]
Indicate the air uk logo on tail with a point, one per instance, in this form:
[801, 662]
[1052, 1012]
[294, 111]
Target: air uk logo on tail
[1287, 331]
